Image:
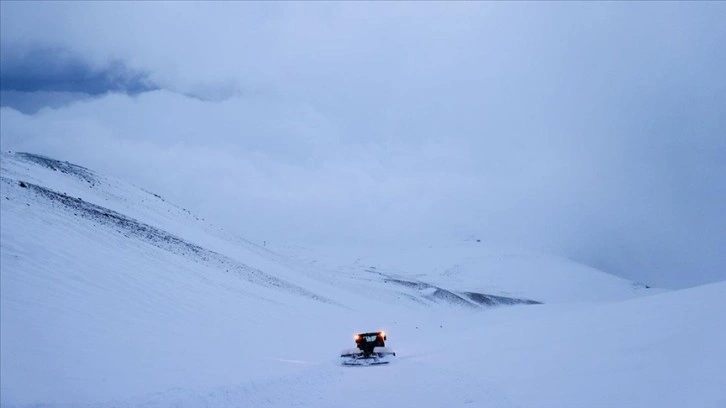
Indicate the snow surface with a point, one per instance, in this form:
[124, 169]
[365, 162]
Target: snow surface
[112, 297]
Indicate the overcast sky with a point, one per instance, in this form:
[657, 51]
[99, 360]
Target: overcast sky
[595, 131]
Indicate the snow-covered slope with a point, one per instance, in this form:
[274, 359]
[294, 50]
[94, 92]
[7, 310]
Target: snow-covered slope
[111, 296]
[661, 351]
[81, 197]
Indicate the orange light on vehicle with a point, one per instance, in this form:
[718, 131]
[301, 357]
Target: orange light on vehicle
[356, 337]
[383, 334]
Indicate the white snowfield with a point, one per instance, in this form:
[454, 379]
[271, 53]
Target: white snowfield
[112, 297]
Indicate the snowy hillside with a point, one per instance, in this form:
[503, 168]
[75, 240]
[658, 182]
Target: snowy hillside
[475, 266]
[111, 296]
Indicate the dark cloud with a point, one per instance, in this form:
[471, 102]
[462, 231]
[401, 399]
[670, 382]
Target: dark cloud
[40, 76]
[54, 69]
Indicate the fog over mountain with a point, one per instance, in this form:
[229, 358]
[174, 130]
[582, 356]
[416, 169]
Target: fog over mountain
[591, 131]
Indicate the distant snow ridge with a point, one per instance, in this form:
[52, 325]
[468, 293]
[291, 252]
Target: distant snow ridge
[466, 299]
